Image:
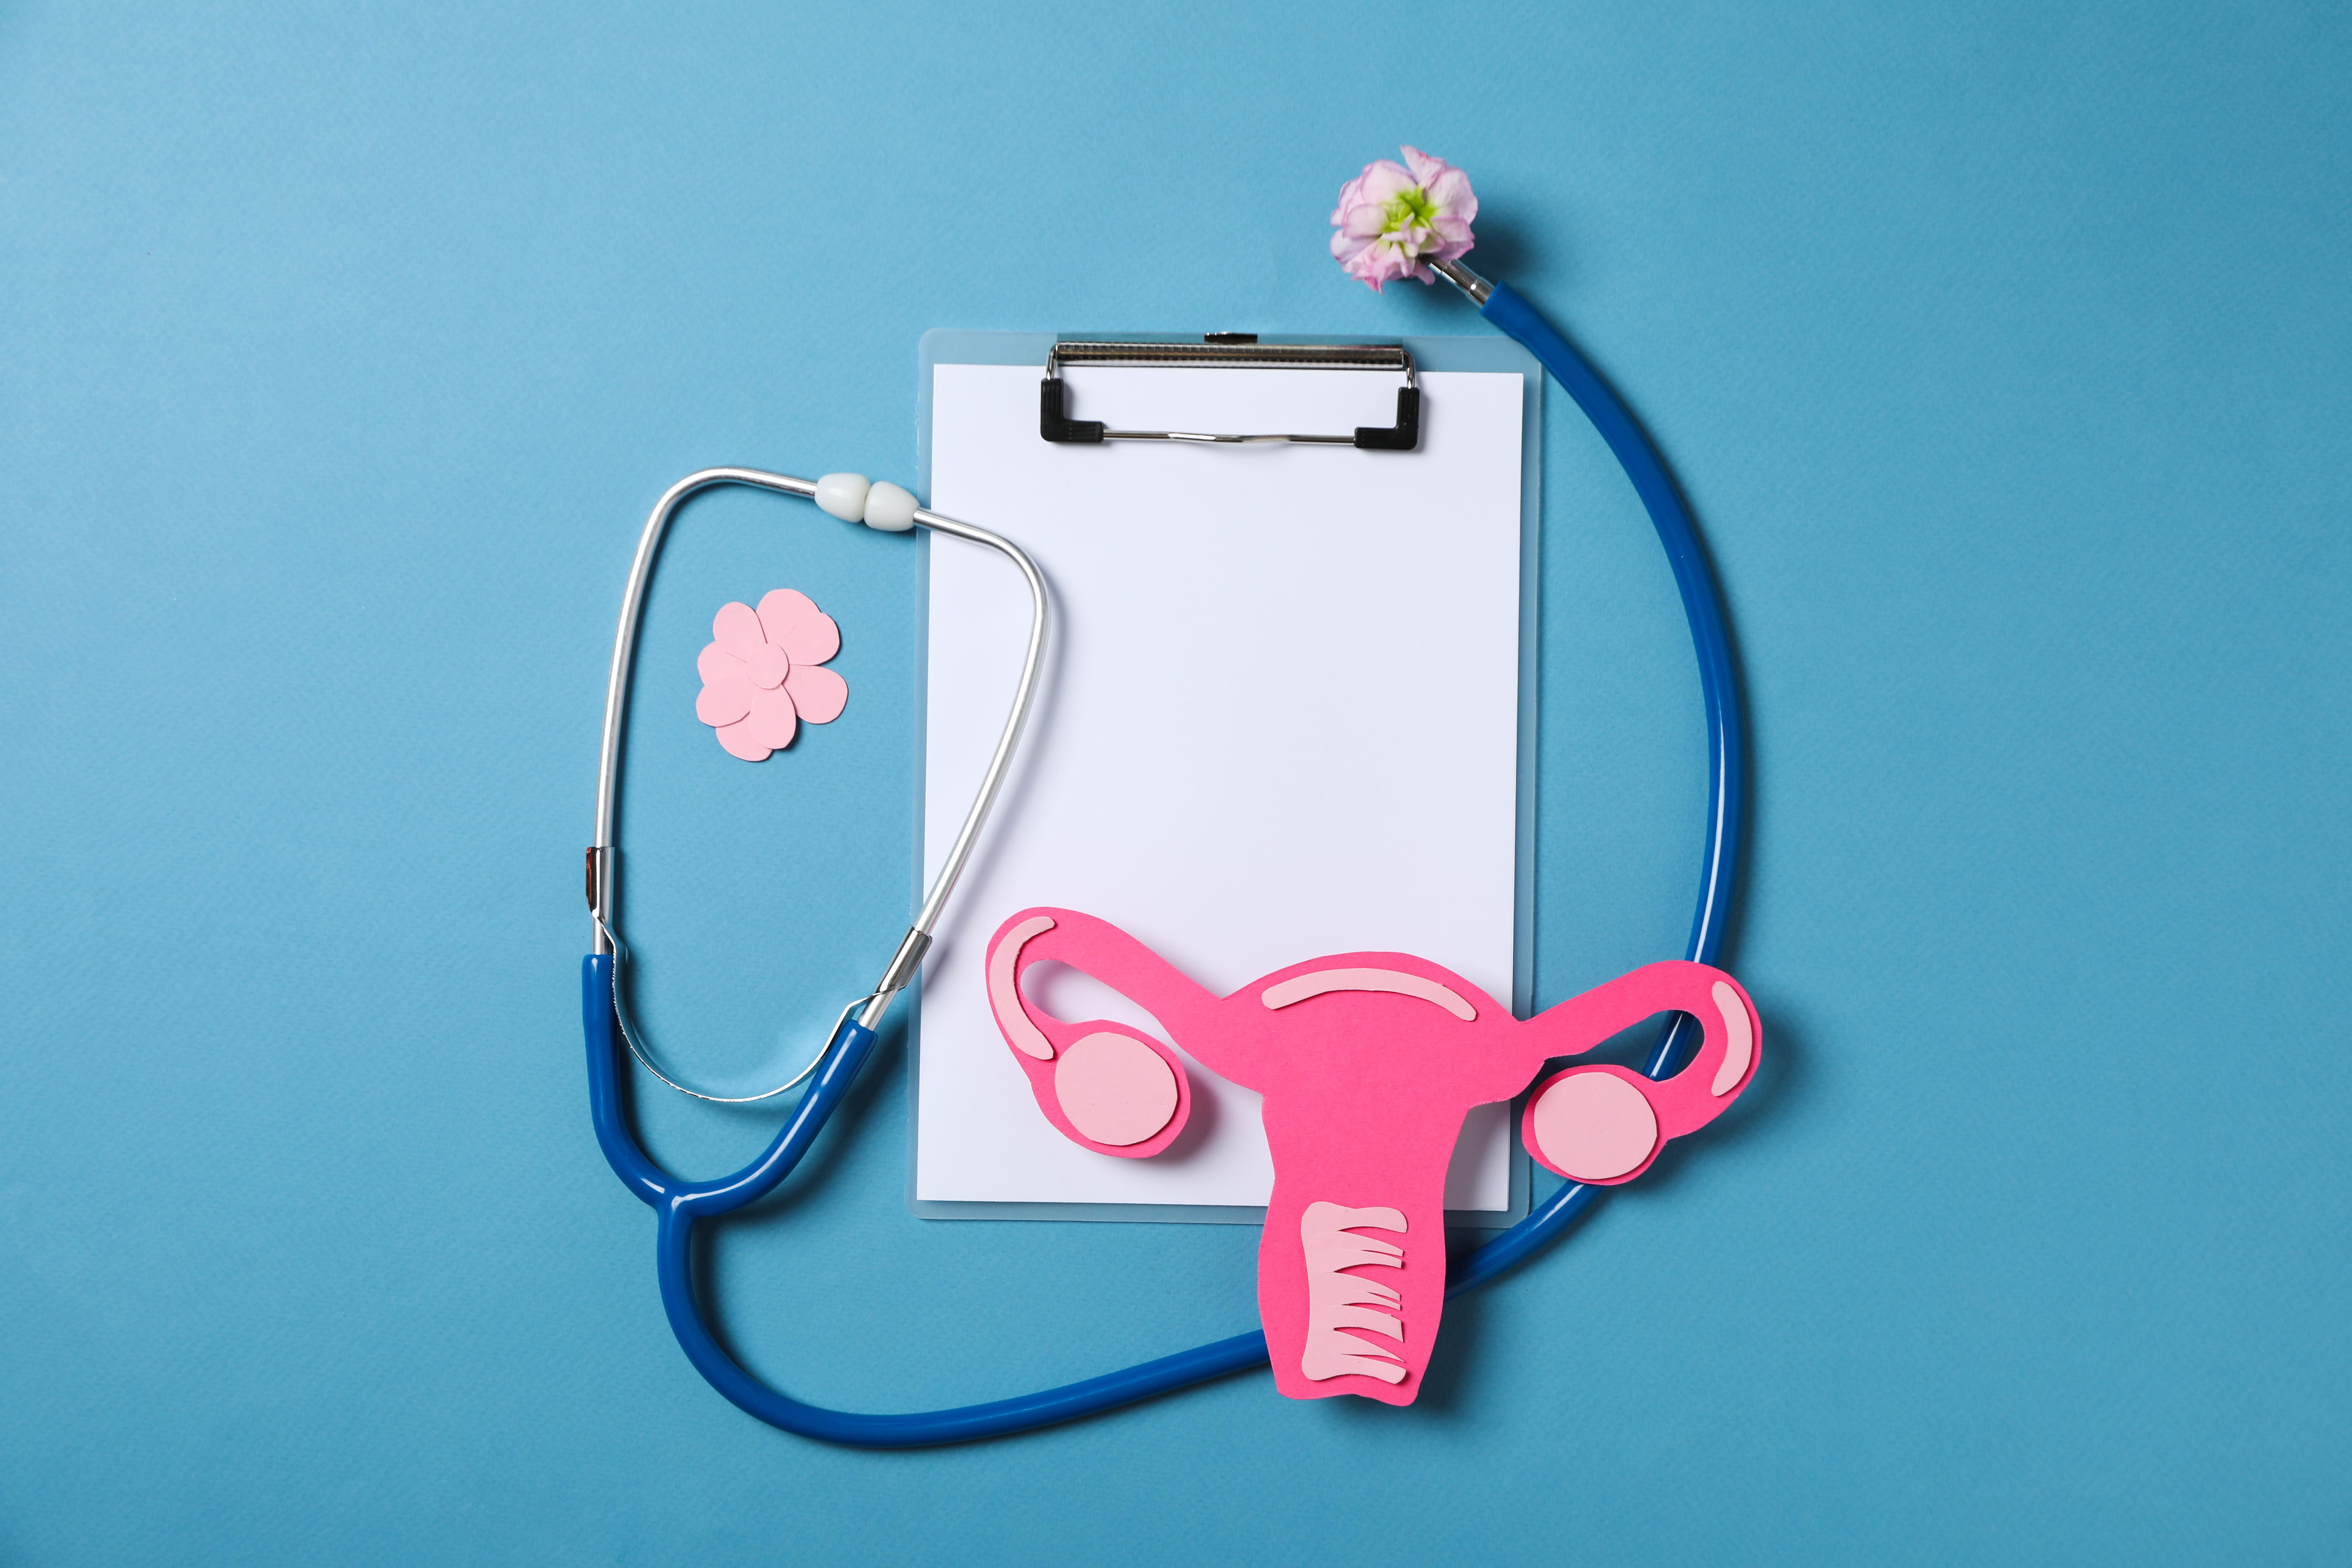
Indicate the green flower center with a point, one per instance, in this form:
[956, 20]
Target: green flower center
[1411, 205]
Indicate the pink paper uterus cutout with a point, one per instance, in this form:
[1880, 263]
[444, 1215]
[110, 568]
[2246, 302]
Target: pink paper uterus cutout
[1368, 1063]
[761, 675]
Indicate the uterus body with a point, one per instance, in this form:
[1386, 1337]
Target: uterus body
[1366, 1062]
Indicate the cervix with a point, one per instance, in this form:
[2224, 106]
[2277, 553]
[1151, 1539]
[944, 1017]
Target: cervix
[1368, 1063]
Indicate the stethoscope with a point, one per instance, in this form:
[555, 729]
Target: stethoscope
[680, 1205]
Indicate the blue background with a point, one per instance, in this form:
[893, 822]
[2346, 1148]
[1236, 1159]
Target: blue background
[2005, 358]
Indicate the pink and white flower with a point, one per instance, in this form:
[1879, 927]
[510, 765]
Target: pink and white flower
[1393, 220]
[760, 679]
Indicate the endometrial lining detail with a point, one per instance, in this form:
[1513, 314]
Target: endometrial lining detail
[1338, 1301]
[1299, 987]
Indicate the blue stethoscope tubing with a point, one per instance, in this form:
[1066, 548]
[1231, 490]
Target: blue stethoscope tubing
[681, 1206]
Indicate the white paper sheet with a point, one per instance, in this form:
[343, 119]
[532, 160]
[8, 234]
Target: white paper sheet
[1280, 721]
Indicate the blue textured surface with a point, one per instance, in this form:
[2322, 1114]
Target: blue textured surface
[2007, 359]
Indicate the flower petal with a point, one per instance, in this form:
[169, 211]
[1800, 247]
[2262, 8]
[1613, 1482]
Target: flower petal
[1425, 168]
[1377, 264]
[1349, 195]
[725, 700]
[818, 693]
[737, 631]
[737, 739]
[772, 720]
[715, 664]
[1382, 179]
[1451, 193]
[795, 624]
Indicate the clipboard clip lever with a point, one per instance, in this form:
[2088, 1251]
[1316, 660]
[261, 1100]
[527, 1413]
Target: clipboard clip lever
[1234, 351]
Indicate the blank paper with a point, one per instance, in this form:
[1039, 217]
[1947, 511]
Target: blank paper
[1280, 720]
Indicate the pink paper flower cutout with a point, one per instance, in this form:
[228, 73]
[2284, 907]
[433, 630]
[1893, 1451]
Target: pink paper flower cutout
[1392, 220]
[760, 679]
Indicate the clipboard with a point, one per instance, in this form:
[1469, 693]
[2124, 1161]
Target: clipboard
[983, 1160]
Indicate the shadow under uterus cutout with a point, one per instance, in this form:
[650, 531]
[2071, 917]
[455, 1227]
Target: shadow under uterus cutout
[1368, 1063]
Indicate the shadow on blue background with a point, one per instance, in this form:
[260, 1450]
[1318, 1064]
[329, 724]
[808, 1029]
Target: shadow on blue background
[2004, 358]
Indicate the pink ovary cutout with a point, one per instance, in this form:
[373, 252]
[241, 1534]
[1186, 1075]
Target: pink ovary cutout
[1114, 1090]
[1594, 1127]
[1368, 1063]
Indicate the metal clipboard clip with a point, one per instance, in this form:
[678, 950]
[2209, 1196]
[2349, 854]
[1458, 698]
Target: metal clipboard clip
[1236, 351]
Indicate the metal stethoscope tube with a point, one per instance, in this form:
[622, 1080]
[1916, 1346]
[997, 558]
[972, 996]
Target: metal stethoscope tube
[603, 854]
[680, 1205]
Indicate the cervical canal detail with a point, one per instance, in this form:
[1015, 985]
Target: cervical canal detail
[1368, 1063]
[1337, 1301]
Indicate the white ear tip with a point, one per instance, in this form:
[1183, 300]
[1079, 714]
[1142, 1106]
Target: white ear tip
[843, 495]
[890, 508]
